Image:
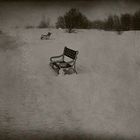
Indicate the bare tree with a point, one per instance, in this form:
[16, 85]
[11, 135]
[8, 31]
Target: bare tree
[73, 19]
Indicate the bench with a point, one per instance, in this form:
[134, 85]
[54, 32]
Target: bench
[59, 63]
[46, 36]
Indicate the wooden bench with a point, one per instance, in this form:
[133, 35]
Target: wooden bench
[59, 63]
[46, 36]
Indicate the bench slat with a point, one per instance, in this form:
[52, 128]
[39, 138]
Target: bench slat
[70, 53]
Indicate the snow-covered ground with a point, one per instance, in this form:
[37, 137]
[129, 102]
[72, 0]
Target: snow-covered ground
[103, 99]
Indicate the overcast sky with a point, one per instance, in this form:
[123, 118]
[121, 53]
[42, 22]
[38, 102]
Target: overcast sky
[30, 12]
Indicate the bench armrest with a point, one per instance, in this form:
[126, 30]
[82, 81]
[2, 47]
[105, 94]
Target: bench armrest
[55, 57]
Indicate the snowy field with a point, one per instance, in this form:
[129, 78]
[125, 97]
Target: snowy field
[101, 102]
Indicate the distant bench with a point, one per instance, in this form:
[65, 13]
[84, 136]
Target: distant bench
[59, 63]
[46, 36]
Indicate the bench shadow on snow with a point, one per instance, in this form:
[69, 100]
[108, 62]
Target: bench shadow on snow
[81, 69]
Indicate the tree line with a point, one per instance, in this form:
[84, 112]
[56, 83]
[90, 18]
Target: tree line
[74, 19]
[124, 22]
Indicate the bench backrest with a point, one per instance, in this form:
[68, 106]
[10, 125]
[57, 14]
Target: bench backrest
[70, 53]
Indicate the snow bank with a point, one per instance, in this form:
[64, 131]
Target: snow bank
[103, 97]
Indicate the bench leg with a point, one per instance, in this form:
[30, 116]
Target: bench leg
[75, 69]
[54, 68]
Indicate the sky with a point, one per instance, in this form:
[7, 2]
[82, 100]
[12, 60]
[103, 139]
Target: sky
[30, 12]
